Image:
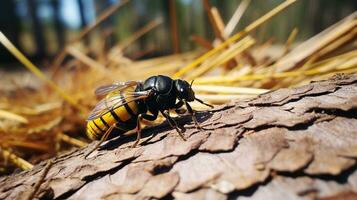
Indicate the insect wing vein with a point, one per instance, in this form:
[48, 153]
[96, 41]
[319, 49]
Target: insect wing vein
[117, 86]
[111, 102]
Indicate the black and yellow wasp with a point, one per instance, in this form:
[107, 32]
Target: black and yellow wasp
[126, 104]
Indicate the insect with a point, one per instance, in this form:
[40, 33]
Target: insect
[126, 104]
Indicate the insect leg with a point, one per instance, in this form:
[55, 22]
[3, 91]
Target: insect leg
[172, 123]
[138, 131]
[104, 137]
[150, 117]
[138, 125]
[177, 107]
[193, 114]
[179, 104]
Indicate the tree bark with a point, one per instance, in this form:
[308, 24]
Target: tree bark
[296, 143]
[37, 28]
[59, 28]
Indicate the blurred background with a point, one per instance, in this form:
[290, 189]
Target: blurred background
[40, 28]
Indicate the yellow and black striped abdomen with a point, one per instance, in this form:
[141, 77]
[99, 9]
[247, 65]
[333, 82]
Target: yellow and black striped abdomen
[122, 116]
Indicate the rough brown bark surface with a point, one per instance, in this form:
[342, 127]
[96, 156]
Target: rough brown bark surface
[287, 144]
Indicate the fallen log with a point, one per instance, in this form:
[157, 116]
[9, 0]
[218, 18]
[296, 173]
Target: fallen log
[298, 143]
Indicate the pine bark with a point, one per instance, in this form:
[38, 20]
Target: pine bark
[298, 143]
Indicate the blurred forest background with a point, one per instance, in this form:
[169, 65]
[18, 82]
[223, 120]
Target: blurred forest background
[40, 28]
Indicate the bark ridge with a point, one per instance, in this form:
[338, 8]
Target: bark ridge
[298, 143]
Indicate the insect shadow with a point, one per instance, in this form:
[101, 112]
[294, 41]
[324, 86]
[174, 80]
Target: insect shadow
[151, 131]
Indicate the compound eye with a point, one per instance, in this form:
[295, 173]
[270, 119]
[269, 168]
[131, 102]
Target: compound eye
[184, 90]
[180, 88]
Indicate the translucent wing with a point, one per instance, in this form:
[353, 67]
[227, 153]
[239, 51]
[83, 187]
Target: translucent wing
[118, 86]
[115, 100]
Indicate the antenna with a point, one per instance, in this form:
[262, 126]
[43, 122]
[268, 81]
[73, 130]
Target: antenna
[199, 100]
